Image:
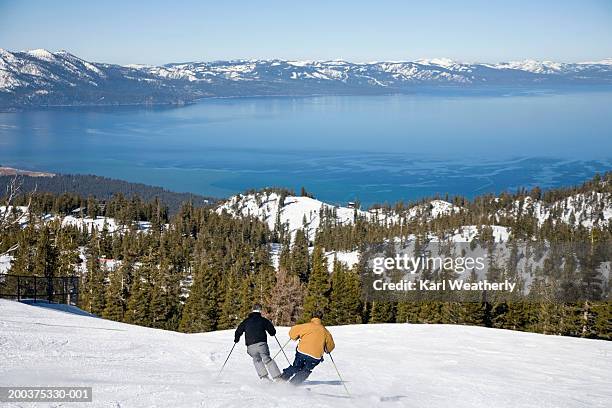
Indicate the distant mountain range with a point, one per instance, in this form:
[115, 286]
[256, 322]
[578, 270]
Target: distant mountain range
[42, 78]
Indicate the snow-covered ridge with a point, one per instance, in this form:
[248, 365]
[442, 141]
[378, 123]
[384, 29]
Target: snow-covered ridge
[39, 68]
[44, 77]
[305, 213]
[293, 212]
[382, 73]
[590, 210]
[593, 209]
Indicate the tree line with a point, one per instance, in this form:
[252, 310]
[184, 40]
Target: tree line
[198, 270]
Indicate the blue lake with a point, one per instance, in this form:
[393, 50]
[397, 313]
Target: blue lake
[370, 148]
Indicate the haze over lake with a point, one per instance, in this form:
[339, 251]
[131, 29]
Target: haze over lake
[371, 148]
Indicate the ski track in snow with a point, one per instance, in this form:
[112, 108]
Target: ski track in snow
[395, 365]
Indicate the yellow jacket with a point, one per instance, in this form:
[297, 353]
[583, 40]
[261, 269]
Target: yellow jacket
[314, 338]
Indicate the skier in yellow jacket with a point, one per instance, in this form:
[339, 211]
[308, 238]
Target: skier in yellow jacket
[314, 339]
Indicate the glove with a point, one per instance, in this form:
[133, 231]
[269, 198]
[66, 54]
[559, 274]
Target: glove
[236, 339]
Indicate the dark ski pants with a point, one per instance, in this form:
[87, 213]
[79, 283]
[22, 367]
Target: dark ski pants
[300, 369]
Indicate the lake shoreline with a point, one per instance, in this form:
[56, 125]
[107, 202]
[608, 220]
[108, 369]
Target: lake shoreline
[422, 91]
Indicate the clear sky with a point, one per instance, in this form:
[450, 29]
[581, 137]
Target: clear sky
[158, 32]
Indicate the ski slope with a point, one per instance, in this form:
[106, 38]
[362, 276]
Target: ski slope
[384, 366]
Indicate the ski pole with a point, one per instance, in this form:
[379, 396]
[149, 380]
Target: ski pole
[339, 376]
[282, 348]
[228, 356]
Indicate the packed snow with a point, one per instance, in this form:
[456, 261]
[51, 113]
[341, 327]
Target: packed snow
[392, 365]
[6, 262]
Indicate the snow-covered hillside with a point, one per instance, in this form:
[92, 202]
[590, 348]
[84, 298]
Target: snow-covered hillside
[305, 212]
[408, 366]
[423, 212]
[294, 212]
[589, 210]
[41, 77]
[99, 223]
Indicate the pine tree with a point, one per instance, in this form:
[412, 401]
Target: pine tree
[46, 260]
[25, 255]
[345, 298]
[284, 261]
[431, 311]
[407, 311]
[141, 288]
[230, 310]
[202, 307]
[114, 308]
[317, 291]
[264, 275]
[94, 285]
[602, 324]
[299, 256]
[68, 254]
[382, 312]
[245, 295]
[164, 308]
[140, 298]
[473, 313]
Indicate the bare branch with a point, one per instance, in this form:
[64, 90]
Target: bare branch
[13, 189]
[11, 249]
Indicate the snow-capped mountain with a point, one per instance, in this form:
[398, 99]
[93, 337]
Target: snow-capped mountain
[388, 74]
[40, 77]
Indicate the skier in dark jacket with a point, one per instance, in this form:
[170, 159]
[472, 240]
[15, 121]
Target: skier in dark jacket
[254, 328]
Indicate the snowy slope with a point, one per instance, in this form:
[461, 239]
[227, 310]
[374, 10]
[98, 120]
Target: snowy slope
[410, 366]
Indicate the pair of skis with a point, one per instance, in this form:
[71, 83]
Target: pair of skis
[282, 349]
